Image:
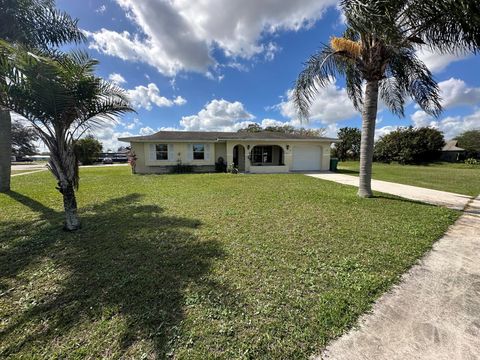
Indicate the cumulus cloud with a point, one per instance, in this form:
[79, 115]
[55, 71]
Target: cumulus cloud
[330, 106]
[147, 96]
[437, 62]
[117, 78]
[455, 92]
[180, 34]
[218, 115]
[451, 126]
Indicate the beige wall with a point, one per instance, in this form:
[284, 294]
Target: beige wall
[288, 154]
[145, 165]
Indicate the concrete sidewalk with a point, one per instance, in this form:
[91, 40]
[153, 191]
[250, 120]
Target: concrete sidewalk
[434, 313]
[435, 197]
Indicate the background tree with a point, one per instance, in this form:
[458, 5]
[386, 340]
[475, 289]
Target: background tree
[62, 98]
[23, 139]
[470, 141]
[377, 57]
[286, 129]
[410, 145]
[35, 24]
[87, 149]
[349, 147]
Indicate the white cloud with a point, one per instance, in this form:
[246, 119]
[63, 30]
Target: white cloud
[455, 92]
[330, 106]
[451, 126]
[101, 9]
[437, 62]
[379, 132]
[179, 101]
[130, 126]
[147, 130]
[117, 78]
[179, 35]
[218, 115]
[147, 96]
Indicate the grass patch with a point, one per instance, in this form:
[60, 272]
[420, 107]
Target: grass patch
[451, 177]
[198, 266]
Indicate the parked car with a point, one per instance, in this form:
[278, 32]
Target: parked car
[107, 160]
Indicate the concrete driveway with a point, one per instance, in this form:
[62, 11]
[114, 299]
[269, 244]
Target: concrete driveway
[435, 197]
[434, 312]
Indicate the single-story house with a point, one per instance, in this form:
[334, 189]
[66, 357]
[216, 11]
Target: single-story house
[452, 153]
[261, 152]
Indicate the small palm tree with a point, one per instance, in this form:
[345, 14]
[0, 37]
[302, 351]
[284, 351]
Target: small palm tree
[62, 98]
[377, 57]
[38, 25]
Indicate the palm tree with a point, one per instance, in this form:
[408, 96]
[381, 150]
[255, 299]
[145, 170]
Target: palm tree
[61, 98]
[377, 56]
[35, 24]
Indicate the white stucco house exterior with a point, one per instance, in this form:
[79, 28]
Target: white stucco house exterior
[262, 152]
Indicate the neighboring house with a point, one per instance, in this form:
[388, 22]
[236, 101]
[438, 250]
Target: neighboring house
[452, 153]
[262, 152]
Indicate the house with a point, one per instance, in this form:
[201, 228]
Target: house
[260, 152]
[452, 153]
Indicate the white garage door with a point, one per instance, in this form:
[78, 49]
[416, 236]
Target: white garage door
[307, 157]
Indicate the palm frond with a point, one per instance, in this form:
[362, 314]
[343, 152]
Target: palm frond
[412, 77]
[318, 72]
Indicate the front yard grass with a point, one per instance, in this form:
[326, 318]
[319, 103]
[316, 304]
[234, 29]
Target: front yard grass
[451, 177]
[198, 266]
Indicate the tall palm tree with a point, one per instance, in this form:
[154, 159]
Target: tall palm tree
[61, 98]
[35, 24]
[377, 56]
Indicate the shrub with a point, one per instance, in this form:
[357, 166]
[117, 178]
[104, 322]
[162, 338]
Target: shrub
[410, 145]
[181, 168]
[87, 149]
[472, 162]
[221, 165]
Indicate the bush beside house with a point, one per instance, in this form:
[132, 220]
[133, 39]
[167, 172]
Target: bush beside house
[410, 145]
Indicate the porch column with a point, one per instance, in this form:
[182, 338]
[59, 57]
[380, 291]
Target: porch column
[247, 160]
[229, 153]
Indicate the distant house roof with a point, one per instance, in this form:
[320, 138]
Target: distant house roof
[218, 136]
[452, 146]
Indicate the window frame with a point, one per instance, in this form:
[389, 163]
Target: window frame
[262, 154]
[203, 151]
[162, 152]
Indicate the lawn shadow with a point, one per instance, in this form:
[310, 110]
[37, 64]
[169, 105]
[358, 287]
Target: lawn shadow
[348, 172]
[401, 199]
[130, 264]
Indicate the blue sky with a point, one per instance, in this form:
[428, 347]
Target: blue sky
[218, 65]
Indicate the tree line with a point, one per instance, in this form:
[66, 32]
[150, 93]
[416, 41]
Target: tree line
[405, 145]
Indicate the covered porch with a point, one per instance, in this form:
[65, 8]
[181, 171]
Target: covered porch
[259, 158]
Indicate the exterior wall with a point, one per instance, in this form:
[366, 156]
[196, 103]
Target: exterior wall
[180, 152]
[220, 151]
[288, 154]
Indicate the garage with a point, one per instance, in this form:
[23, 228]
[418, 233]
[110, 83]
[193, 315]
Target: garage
[307, 158]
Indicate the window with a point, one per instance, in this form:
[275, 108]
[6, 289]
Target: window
[262, 154]
[162, 151]
[198, 152]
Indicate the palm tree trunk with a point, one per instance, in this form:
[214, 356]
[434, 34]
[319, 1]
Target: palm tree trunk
[72, 222]
[5, 150]
[369, 117]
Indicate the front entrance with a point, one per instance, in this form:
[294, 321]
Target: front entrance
[239, 157]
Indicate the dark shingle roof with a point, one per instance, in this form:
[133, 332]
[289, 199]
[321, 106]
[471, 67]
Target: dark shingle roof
[218, 135]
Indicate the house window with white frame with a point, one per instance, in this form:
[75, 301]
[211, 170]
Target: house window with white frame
[161, 151]
[198, 151]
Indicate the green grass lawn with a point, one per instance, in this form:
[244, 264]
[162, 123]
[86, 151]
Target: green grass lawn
[198, 266]
[456, 178]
